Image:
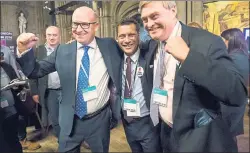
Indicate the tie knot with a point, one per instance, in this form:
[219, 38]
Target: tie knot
[128, 59]
[86, 48]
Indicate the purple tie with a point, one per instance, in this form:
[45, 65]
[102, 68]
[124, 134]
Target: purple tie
[128, 89]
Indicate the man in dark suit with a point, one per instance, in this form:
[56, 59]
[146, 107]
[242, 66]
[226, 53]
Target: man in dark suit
[47, 90]
[141, 134]
[85, 68]
[205, 76]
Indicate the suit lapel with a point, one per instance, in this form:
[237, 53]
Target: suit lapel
[70, 54]
[142, 63]
[179, 80]
[144, 83]
[150, 58]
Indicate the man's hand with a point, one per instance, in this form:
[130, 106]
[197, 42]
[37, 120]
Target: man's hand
[177, 47]
[26, 41]
[35, 98]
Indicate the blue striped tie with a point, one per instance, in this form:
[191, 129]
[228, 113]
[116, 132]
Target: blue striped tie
[83, 80]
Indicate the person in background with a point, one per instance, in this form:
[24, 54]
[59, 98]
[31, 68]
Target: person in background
[237, 48]
[47, 90]
[141, 134]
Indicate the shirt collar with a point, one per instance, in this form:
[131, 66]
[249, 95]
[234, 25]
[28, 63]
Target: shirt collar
[134, 57]
[49, 48]
[91, 45]
[174, 33]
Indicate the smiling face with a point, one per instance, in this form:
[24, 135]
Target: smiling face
[158, 20]
[128, 38]
[84, 25]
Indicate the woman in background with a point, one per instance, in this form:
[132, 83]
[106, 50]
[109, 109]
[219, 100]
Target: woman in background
[238, 51]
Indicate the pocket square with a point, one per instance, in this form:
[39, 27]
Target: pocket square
[151, 66]
[202, 118]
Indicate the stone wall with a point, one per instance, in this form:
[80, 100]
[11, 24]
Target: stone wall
[37, 17]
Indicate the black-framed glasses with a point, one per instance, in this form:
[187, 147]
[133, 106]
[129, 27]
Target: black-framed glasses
[83, 25]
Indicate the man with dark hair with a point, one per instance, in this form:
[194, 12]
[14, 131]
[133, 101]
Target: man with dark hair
[141, 134]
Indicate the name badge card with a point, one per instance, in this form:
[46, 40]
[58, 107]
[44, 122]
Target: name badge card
[160, 97]
[4, 103]
[89, 93]
[136, 113]
[130, 104]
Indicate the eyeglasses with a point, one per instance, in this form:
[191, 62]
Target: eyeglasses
[83, 25]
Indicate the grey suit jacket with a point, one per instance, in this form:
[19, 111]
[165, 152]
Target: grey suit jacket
[63, 60]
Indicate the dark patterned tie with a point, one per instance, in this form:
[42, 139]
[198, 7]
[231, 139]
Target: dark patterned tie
[83, 80]
[127, 92]
[128, 89]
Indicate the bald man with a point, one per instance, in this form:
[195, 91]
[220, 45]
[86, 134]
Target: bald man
[47, 90]
[90, 81]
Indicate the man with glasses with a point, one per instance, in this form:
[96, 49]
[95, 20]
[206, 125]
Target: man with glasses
[86, 69]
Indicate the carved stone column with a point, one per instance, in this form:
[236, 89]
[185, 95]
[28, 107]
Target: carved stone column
[182, 11]
[107, 25]
[190, 11]
[95, 8]
[197, 12]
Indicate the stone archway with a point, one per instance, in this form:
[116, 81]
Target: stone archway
[123, 9]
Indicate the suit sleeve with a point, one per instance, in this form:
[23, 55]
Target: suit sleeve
[34, 86]
[216, 73]
[34, 69]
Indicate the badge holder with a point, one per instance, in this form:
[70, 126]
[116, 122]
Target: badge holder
[160, 97]
[89, 93]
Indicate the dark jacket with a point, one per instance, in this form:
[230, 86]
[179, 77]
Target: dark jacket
[206, 78]
[234, 116]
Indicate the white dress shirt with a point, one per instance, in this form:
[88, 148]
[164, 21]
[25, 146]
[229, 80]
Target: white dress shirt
[98, 75]
[168, 79]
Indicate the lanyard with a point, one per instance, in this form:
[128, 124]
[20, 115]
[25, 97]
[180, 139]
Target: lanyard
[130, 87]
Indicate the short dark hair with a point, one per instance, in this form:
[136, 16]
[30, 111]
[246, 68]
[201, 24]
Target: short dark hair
[236, 40]
[128, 21]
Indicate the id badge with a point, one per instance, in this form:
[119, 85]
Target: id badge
[130, 104]
[89, 93]
[136, 113]
[160, 97]
[4, 103]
